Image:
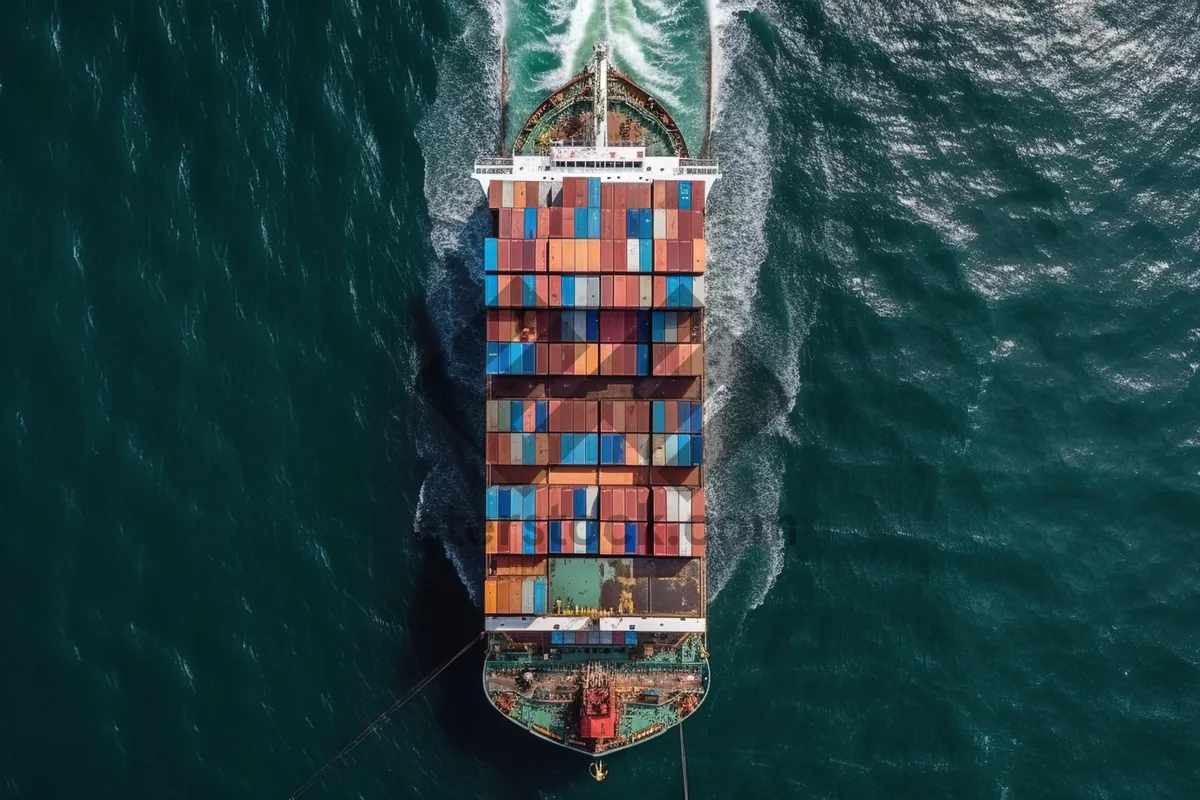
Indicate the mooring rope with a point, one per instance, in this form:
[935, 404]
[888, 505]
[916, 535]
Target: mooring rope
[683, 759]
[383, 718]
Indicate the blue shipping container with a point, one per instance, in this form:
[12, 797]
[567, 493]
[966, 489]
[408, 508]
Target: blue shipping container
[491, 290]
[531, 223]
[646, 225]
[555, 537]
[493, 502]
[594, 192]
[630, 637]
[631, 537]
[593, 537]
[489, 255]
[539, 595]
[593, 223]
[581, 223]
[556, 637]
[646, 256]
[632, 223]
[685, 195]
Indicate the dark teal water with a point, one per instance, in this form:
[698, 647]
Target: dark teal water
[953, 399]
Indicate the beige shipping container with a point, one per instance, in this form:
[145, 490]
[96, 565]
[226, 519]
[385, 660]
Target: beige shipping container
[506, 194]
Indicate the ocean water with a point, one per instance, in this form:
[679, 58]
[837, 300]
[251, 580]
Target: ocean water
[953, 403]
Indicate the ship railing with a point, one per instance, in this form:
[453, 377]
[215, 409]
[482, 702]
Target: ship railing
[493, 166]
[698, 166]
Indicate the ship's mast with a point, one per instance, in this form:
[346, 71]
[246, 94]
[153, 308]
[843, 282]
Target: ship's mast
[600, 94]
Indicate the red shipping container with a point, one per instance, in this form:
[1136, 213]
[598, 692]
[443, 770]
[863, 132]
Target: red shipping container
[618, 255]
[543, 223]
[581, 192]
[555, 501]
[541, 291]
[528, 255]
[677, 358]
[618, 201]
[502, 262]
[491, 447]
[540, 251]
[606, 195]
[541, 538]
[643, 502]
[528, 416]
[543, 358]
[617, 538]
[606, 255]
[685, 225]
[618, 505]
[672, 538]
[672, 256]
[672, 416]
[672, 194]
[659, 196]
[646, 199]
[568, 222]
[493, 325]
[554, 449]
[697, 505]
[516, 228]
[685, 255]
[606, 416]
[606, 220]
[555, 293]
[697, 224]
[698, 196]
[606, 291]
[660, 504]
[495, 194]
[606, 502]
[504, 224]
[555, 223]
[660, 538]
[660, 255]
[568, 192]
[699, 540]
[592, 416]
[533, 194]
[502, 537]
[660, 291]
[541, 502]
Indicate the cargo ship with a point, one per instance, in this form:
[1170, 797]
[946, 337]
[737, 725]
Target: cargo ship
[595, 600]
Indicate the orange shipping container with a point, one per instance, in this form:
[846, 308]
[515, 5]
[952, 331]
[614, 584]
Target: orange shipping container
[514, 595]
[556, 255]
[621, 476]
[573, 476]
[698, 255]
[489, 596]
[492, 537]
[543, 223]
[581, 255]
[593, 256]
[660, 256]
[660, 194]
[519, 194]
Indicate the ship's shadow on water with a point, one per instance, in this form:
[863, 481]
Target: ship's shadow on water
[441, 617]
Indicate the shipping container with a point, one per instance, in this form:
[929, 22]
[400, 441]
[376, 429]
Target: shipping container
[676, 449]
[578, 476]
[660, 223]
[675, 326]
[685, 195]
[678, 291]
[677, 359]
[519, 194]
[594, 194]
[676, 416]
[507, 194]
[516, 566]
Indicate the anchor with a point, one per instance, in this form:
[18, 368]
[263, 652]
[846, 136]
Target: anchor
[598, 770]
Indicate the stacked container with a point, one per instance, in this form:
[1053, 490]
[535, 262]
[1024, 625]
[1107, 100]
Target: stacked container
[594, 291]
